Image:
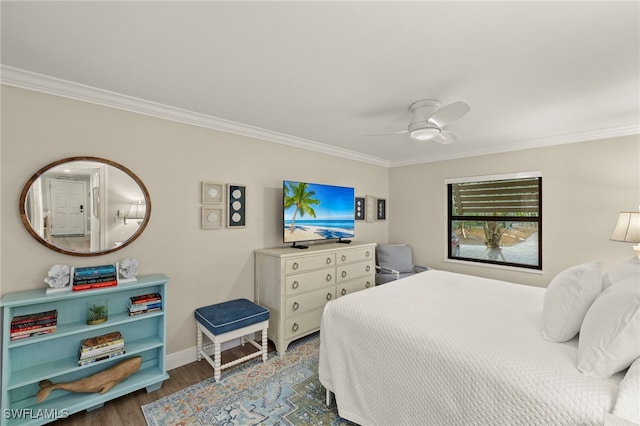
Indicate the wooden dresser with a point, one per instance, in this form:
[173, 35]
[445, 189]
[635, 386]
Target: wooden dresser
[295, 284]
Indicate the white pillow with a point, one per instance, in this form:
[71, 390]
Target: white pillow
[610, 333]
[628, 268]
[567, 299]
[628, 402]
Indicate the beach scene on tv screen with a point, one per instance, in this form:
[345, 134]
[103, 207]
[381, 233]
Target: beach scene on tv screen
[317, 212]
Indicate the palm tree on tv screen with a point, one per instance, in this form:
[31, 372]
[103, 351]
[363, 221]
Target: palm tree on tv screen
[296, 194]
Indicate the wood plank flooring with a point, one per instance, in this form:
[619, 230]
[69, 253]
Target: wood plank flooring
[126, 409]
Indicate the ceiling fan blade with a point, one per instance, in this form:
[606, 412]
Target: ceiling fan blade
[446, 137]
[449, 113]
[400, 132]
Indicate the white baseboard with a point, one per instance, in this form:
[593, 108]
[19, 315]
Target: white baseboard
[187, 356]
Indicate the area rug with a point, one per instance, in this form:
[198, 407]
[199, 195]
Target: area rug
[284, 390]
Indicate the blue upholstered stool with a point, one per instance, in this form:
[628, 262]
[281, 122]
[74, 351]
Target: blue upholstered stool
[227, 321]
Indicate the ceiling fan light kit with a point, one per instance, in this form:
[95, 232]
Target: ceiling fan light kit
[424, 134]
[428, 120]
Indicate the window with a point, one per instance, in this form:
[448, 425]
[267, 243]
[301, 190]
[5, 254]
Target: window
[496, 219]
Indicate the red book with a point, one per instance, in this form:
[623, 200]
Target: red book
[95, 285]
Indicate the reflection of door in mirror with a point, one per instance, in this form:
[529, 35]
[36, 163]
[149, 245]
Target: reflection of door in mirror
[70, 206]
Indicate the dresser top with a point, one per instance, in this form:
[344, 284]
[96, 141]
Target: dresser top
[313, 249]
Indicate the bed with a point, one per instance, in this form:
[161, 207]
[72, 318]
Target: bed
[440, 348]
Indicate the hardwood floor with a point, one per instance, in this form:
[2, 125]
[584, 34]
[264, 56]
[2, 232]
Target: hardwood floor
[126, 409]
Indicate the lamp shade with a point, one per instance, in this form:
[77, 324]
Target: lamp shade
[137, 211]
[628, 228]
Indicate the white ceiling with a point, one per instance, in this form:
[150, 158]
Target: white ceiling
[322, 75]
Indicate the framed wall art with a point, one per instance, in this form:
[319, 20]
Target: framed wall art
[381, 211]
[236, 206]
[360, 208]
[370, 208]
[212, 193]
[212, 217]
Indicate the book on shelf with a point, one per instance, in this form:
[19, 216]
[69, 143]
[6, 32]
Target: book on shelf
[143, 306]
[94, 270]
[143, 298]
[145, 311]
[33, 325]
[21, 319]
[101, 341]
[80, 287]
[96, 279]
[32, 332]
[102, 357]
[84, 354]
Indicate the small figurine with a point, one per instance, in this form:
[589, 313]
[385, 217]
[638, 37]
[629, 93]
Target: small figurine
[58, 276]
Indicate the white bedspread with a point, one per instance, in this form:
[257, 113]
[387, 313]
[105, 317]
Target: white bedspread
[440, 348]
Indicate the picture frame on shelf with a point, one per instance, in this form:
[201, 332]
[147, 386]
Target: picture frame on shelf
[361, 208]
[212, 193]
[212, 217]
[381, 210]
[236, 205]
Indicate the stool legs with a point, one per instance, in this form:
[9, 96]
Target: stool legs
[198, 342]
[216, 360]
[264, 345]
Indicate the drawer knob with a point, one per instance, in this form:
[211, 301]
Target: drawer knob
[295, 285]
[368, 284]
[296, 305]
[295, 326]
[344, 257]
[344, 291]
[328, 277]
[329, 296]
[368, 268]
[328, 261]
[368, 254]
[295, 265]
[344, 274]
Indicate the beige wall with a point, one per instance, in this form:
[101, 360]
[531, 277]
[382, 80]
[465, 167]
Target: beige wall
[171, 159]
[584, 186]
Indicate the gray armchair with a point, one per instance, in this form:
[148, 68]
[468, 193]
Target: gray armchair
[394, 261]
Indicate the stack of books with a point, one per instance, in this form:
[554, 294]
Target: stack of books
[94, 277]
[102, 347]
[23, 326]
[145, 303]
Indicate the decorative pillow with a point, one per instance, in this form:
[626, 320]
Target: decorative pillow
[395, 256]
[628, 402]
[567, 299]
[629, 268]
[610, 333]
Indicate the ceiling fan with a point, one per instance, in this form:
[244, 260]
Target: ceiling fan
[428, 120]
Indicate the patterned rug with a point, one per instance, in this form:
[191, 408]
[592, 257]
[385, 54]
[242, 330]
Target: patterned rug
[284, 390]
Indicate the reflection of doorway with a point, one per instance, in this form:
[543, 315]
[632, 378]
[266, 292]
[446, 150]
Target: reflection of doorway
[68, 207]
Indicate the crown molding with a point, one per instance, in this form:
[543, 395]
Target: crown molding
[589, 135]
[23, 79]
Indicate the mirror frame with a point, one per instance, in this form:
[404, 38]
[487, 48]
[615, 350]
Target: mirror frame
[36, 175]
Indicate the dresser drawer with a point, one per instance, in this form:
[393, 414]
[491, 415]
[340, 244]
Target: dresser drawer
[308, 281]
[352, 286]
[355, 255]
[302, 264]
[354, 270]
[309, 301]
[303, 324]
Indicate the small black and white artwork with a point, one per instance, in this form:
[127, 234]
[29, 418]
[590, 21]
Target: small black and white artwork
[360, 208]
[381, 212]
[237, 196]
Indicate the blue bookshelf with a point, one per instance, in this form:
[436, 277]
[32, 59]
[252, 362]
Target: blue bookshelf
[54, 356]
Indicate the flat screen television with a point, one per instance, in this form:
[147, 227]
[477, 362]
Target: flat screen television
[317, 212]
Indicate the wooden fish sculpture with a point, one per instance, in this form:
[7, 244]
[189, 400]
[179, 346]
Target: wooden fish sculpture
[99, 382]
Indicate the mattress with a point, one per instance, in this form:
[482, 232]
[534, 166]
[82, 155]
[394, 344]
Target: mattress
[440, 348]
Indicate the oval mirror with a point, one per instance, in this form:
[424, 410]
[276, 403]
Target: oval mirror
[85, 206]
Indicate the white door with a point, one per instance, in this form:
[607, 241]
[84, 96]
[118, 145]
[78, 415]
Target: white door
[68, 207]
